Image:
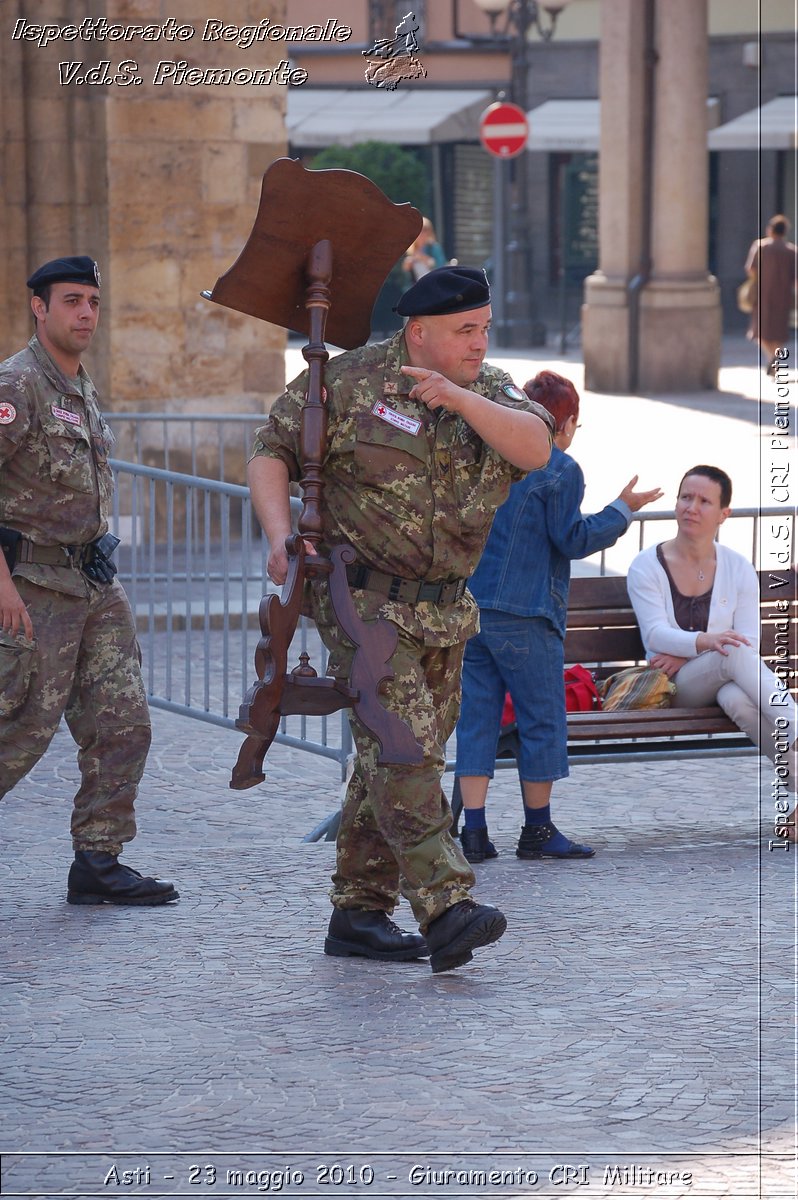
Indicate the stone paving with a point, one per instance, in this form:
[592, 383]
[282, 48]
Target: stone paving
[637, 1016]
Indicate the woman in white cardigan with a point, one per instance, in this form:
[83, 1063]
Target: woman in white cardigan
[697, 605]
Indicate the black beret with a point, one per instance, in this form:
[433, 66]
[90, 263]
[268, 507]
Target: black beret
[79, 269]
[445, 290]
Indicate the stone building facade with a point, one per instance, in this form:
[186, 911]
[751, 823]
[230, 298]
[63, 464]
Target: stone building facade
[154, 175]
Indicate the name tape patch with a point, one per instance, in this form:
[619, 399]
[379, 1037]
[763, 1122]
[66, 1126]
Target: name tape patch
[398, 420]
[64, 414]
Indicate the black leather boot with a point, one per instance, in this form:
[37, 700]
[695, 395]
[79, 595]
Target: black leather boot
[546, 841]
[476, 844]
[462, 928]
[370, 933]
[96, 877]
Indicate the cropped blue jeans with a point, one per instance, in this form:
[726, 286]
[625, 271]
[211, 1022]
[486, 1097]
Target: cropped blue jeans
[523, 656]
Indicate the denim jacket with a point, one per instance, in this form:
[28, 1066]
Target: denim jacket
[526, 565]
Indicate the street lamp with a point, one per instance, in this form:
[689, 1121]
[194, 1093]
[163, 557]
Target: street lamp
[511, 26]
[517, 14]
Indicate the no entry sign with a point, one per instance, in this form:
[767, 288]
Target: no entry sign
[503, 130]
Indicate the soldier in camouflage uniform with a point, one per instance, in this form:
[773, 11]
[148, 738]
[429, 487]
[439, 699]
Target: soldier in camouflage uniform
[67, 639]
[423, 444]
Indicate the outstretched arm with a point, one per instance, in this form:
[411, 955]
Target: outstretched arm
[577, 536]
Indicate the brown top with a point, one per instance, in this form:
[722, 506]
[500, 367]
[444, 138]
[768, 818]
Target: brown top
[691, 612]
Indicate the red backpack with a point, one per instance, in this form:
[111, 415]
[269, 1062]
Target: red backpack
[581, 694]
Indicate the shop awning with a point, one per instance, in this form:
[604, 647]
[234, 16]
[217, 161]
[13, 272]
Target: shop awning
[318, 117]
[771, 127]
[574, 126]
[562, 126]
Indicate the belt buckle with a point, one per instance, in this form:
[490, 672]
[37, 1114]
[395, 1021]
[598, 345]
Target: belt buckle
[430, 592]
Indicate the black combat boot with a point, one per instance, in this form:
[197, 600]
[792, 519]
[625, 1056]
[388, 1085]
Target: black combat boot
[370, 933]
[462, 928]
[96, 877]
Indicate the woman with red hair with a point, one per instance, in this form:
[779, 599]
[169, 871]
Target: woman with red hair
[521, 586]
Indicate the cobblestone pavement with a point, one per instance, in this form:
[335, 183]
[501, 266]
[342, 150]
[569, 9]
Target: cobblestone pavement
[637, 1016]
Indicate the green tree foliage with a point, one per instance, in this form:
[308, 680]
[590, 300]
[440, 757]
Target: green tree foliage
[395, 171]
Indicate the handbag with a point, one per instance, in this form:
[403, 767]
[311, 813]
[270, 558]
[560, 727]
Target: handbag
[581, 694]
[636, 687]
[746, 295]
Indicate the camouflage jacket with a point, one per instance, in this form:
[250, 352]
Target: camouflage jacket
[56, 486]
[412, 491]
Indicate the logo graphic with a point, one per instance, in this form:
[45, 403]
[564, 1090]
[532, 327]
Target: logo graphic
[390, 60]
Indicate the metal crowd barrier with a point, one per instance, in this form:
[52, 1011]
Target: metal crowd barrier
[209, 445]
[193, 564]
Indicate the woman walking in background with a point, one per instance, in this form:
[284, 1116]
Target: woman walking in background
[772, 263]
[423, 255]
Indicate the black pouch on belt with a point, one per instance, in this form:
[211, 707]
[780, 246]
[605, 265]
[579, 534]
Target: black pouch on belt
[9, 539]
[97, 565]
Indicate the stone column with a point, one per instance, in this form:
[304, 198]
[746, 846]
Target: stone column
[679, 326]
[159, 182]
[605, 323]
[53, 193]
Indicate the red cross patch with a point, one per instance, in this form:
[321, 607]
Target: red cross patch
[7, 414]
[397, 419]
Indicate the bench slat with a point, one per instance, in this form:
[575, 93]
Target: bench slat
[665, 722]
[588, 646]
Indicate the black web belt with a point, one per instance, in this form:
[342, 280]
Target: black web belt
[405, 591]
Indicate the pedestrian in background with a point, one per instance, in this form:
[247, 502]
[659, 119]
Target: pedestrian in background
[424, 255]
[521, 586]
[424, 440]
[772, 261]
[67, 639]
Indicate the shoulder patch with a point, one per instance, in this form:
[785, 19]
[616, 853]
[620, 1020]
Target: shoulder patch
[7, 413]
[512, 392]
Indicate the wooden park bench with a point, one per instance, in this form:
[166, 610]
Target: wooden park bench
[602, 635]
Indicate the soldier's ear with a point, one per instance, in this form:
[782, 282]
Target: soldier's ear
[414, 331]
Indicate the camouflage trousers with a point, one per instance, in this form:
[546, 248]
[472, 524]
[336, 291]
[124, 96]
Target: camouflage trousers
[83, 664]
[394, 834]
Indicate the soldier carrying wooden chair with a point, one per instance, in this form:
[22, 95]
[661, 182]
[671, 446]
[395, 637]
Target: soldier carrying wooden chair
[421, 442]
